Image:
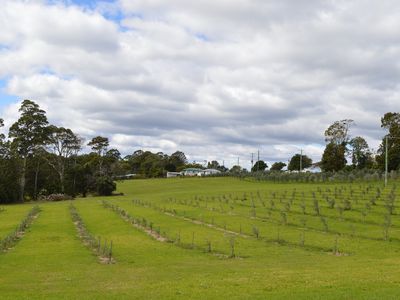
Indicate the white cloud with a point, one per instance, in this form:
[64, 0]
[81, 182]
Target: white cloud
[214, 79]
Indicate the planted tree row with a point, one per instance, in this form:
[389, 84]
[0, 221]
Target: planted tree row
[313, 219]
[12, 238]
[102, 248]
[333, 199]
[185, 237]
[141, 223]
[245, 228]
[335, 207]
[155, 231]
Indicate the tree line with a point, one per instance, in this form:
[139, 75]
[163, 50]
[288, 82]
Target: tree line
[340, 147]
[41, 160]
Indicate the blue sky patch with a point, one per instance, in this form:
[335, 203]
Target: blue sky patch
[5, 98]
[113, 14]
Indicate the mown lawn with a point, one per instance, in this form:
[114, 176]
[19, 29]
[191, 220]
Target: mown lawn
[289, 241]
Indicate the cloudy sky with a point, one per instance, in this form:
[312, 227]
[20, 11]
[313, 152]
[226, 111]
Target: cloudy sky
[217, 79]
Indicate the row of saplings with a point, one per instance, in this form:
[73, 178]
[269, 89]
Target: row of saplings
[11, 239]
[102, 248]
[255, 230]
[156, 232]
[331, 199]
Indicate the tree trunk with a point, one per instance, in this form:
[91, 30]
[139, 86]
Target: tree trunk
[74, 181]
[60, 170]
[62, 181]
[36, 180]
[22, 180]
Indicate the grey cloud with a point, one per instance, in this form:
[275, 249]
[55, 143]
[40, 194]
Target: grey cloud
[266, 74]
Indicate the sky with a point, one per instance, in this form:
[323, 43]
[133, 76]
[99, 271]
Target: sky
[216, 79]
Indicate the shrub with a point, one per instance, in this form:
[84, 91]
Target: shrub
[56, 197]
[105, 186]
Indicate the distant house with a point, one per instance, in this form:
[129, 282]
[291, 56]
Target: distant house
[315, 168]
[208, 172]
[173, 174]
[191, 172]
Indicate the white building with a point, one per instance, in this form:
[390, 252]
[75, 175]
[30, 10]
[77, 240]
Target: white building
[173, 174]
[207, 172]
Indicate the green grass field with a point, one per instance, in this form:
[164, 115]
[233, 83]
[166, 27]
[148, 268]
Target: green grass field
[211, 238]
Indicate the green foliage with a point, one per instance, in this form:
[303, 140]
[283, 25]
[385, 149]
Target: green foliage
[31, 129]
[9, 187]
[338, 132]
[391, 122]
[41, 159]
[278, 166]
[294, 164]
[333, 158]
[63, 143]
[105, 185]
[99, 145]
[28, 134]
[150, 165]
[361, 154]
[259, 166]
[337, 136]
[236, 169]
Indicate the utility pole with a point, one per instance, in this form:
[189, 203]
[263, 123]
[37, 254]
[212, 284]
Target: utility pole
[252, 160]
[258, 159]
[301, 159]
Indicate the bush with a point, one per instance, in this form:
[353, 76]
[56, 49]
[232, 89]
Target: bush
[105, 186]
[56, 197]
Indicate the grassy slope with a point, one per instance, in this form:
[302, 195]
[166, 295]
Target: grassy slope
[11, 217]
[50, 261]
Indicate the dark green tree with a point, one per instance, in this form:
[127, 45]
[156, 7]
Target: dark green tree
[337, 138]
[177, 161]
[8, 171]
[99, 145]
[391, 122]
[259, 166]
[236, 169]
[361, 155]
[213, 165]
[294, 164]
[333, 158]
[278, 166]
[81, 176]
[3, 142]
[112, 161]
[27, 134]
[105, 186]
